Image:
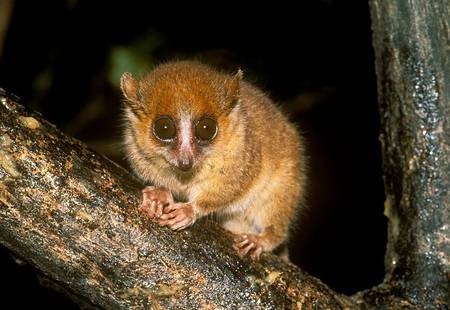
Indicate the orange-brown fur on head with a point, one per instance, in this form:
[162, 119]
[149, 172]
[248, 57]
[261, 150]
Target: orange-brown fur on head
[182, 84]
[180, 90]
[250, 176]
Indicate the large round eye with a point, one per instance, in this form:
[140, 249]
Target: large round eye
[206, 129]
[164, 128]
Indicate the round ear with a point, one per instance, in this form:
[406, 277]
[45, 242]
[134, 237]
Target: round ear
[129, 87]
[232, 90]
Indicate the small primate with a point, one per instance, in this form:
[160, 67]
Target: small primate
[213, 144]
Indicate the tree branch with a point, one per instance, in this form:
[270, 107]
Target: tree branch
[73, 215]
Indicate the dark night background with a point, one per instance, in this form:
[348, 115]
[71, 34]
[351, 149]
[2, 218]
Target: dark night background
[64, 59]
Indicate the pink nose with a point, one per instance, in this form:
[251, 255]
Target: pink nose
[185, 164]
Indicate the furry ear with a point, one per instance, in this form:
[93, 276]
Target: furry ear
[130, 89]
[232, 90]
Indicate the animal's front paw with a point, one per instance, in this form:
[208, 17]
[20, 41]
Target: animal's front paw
[178, 216]
[250, 244]
[154, 200]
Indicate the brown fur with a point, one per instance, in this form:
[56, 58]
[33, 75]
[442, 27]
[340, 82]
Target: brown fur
[251, 177]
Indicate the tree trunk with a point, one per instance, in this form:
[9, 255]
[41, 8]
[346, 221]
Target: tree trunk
[411, 41]
[73, 215]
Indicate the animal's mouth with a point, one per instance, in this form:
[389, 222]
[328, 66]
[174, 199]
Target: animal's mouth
[183, 170]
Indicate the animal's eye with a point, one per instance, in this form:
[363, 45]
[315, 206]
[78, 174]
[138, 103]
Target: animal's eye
[206, 129]
[164, 128]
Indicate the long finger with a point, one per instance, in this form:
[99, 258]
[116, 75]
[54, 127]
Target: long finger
[181, 224]
[172, 207]
[170, 199]
[239, 238]
[159, 210]
[244, 251]
[242, 243]
[256, 253]
[178, 218]
[145, 208]
[168, 216]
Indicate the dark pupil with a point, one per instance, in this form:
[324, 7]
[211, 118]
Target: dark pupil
[164, 129]
[206, 129]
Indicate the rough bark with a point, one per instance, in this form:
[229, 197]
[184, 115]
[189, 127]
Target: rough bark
[411, 41]
[73, 215]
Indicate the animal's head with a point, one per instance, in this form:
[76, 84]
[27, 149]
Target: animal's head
[179, 112]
